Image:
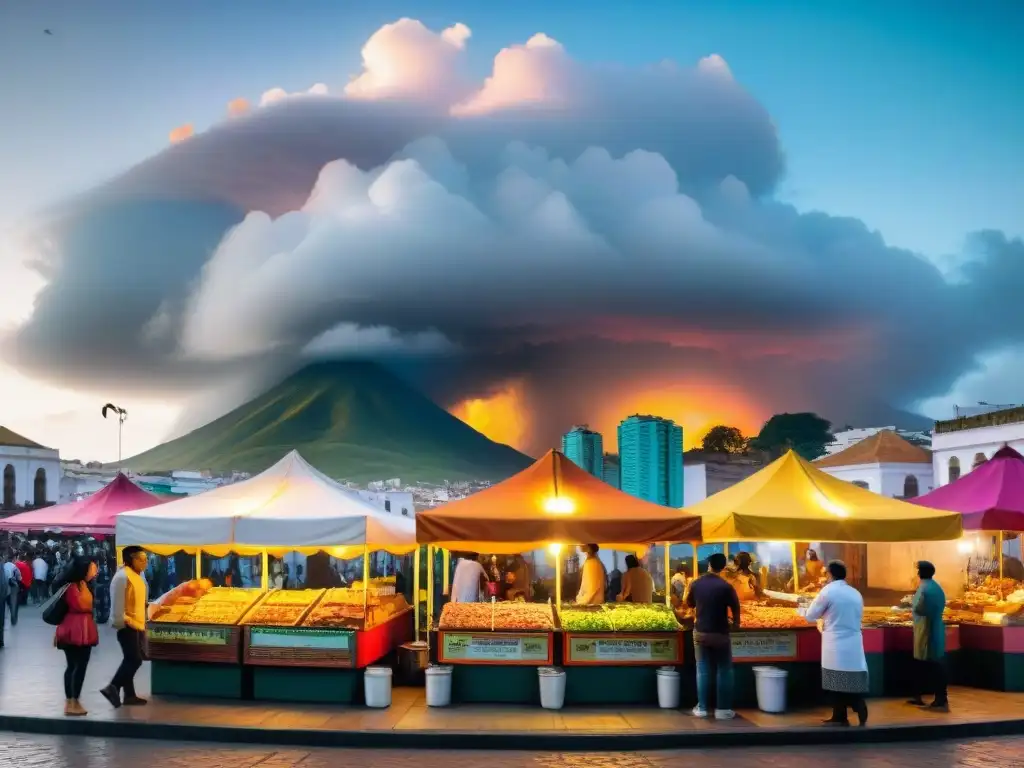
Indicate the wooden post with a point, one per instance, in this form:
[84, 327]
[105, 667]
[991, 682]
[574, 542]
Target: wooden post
[696, 559]
[558, 577]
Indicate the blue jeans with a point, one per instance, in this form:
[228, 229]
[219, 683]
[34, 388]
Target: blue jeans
[714, 667]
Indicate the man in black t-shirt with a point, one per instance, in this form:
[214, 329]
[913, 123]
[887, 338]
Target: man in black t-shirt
[713, 598]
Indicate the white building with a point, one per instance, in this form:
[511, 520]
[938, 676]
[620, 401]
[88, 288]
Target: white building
[884, 463]
[959, 445]
[848, 437]
[705, 474]
[30, 471]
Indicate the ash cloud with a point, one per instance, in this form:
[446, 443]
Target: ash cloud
[579, 230]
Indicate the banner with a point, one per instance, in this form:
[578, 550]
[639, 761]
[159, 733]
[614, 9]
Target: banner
[755, 646]
[496, 648]
[595, 649]
[264, 637]
[188, 635]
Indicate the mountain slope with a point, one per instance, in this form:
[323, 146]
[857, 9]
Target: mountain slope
[351, 420]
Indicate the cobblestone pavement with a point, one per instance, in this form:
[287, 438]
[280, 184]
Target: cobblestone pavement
[73, 752]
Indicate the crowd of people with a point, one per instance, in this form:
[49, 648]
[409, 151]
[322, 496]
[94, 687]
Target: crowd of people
[80, 588]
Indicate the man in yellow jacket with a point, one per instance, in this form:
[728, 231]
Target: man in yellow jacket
[128, 596]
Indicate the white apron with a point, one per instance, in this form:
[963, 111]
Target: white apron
[839, 609]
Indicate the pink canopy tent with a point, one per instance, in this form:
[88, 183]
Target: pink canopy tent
[95, 514]
[990, 498]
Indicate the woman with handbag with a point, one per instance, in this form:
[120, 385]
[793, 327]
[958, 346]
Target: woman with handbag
[76, 630]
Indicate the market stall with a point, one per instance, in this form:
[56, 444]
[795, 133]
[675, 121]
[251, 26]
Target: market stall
[789, 501]
[94, 515]
[293, 645]
[990, 499]
[610, 652]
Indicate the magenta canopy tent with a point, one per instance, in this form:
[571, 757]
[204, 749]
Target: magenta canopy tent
[989, 498]
[95, 514]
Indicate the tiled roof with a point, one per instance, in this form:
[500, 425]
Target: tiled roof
[14, 439]
[883, 447]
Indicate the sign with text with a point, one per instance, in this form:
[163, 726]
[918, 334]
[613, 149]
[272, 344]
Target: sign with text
[264, 637]
[763, 646]
[622, 650]
[494, 648]
[188, 635]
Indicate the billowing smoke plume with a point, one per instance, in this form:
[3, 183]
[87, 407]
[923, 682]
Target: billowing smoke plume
[597, 239]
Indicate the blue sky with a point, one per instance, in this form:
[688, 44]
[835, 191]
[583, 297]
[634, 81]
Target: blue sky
[905, 114]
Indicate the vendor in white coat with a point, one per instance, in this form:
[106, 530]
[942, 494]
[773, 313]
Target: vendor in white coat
[844, 668]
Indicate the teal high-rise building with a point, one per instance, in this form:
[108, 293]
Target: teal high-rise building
[585, 449]
[611, 469]
[651, 459]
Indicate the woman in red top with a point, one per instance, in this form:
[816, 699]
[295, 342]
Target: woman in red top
[76, 634]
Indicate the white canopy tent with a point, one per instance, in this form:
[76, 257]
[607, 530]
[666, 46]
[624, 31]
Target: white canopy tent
[290, 507]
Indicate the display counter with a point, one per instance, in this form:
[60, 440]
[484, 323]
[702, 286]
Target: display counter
[301, 645]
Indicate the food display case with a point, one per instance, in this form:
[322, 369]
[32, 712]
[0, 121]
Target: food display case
[620, 634]
[505, 633]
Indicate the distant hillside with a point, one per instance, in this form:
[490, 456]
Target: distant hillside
[351, 420]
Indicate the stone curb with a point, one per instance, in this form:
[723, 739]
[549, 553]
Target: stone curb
[509, 741]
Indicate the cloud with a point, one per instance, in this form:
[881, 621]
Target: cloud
[238, 107]
[275, 95]
[599, 239]
[181, 133]
[405, 60]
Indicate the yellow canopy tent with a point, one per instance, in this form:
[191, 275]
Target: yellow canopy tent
[791, 500]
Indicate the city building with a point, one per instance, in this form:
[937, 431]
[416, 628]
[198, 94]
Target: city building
[885, 463]
[585, 449]
[31, 472]
[397, 502]
[847, 437]
[960, 444]
[705, 474]
[611, 469]
[651, 459]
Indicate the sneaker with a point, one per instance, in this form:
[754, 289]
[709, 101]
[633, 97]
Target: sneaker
[917, 702]
[135, 701]
[724, 714]
[699, 711]
[112, 695]
[938, 706]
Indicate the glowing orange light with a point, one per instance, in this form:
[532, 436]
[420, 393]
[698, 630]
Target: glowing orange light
[500, 416]
[559, 505]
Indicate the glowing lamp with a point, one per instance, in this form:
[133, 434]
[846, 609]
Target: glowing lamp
[559, 505]
[555, 549]
[965, 546]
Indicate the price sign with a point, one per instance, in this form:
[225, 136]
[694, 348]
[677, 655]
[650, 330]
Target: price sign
[263, 637]
[761, 646]
[188, 635]
[637, 650]
[470, 648]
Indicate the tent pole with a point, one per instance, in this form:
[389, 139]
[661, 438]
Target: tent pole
[366, 580]
[265, 570]
[668, 567]
[430, 588]
[558, 577]
[696, 564]
[416, 588]
[446, 560]
[1001, 596]
[197, 566]
[796, 568]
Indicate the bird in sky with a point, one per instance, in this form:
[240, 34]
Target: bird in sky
[48, 32]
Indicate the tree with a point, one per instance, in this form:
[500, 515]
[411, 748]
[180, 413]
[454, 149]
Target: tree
[723, 439]
[805, 433]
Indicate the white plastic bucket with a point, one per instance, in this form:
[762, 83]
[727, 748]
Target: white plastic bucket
[552, 687]
[771, 689]
[439, 686]
[668, 688]
[377, 687]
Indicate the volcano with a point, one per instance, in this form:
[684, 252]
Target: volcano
[352, 420]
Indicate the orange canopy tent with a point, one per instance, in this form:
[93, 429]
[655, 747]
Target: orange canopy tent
[552, 501]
